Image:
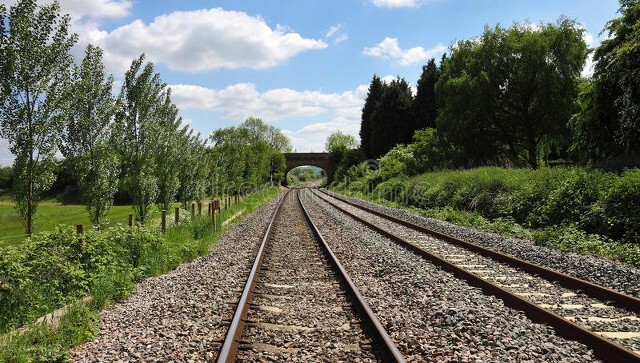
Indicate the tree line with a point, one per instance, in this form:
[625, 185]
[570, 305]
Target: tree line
[133, 143]
[515, 97]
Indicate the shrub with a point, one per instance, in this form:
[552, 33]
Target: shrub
[620, 207]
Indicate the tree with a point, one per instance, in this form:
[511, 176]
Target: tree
[512, 91]
[392, 120]
[425, 107]
[249, 153]
[167, 151]
[608, 124]
[35, 63]
[339, 142]
[87, 133]
[374, 96]
[139, 104]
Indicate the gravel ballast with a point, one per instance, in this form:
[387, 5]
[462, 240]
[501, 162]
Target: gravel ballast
[300, 311]
[179, 316]
[569, 303]
[612, 274]
[432, 315]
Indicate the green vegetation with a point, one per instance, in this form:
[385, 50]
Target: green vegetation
[575, 209]
[35, 63]
[608, 124]
[303, 174]
[130, 149]
[49, 217]
[513, 97]
[50, 271]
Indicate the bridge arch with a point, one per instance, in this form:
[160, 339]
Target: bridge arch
[321, 160]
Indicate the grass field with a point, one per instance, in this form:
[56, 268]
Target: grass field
[48, 217]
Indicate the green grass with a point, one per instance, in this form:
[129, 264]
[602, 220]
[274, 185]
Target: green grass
[575, 209]
[115, 259]
[49, 217]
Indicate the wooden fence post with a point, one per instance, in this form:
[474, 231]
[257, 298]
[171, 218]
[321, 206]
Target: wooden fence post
[177, 215]
[199, 208]
[193, 209]
[164, 221]
[130, 220]
[80, 231]
[209, 210]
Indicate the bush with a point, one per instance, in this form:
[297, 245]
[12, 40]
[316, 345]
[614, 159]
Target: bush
[599, 204]
[620, 206]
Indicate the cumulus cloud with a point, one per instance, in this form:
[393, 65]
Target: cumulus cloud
[389, 49]
[336, 111]
[397, 3]
[243, 100]
[90, 9]
[200, 40]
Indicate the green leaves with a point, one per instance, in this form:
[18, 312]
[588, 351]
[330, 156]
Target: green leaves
[34, 63]
[509, 94]
[87, 135]
[608, 125]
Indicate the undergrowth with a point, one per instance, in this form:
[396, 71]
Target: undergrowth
[50, 271]
[573, 209]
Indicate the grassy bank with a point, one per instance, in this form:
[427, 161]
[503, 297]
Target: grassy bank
[574, 209]
[50, 271]
[50, 215]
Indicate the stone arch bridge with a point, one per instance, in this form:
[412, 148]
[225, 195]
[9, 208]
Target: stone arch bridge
[322, 160]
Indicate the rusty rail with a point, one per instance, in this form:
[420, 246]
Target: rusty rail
[229, 348]
[602, 347]
[386, 348]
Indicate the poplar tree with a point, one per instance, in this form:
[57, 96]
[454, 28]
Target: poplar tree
[35, 63]
[87, 133]
[139, 106]
[167, 152]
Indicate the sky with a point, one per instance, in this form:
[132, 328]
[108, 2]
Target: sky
[303, 66]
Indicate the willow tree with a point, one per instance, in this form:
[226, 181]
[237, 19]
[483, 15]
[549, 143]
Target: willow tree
[87, 133]
[510, 92]
[35, 63]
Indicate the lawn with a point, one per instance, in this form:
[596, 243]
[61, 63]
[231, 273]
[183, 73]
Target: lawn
[50, 215]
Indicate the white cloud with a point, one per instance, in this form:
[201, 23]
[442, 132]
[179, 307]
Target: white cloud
[89, 8]
[389, 49]
[200, 40]
[243, 100]
[397, 3]
[336, 34]
[333, 30]
[340, 111]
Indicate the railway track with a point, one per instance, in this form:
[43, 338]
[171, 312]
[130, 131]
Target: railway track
[298, 302]
[605, 320]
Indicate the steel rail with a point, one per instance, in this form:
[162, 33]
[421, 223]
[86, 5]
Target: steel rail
[619, 299]
[231, 343]
[602, 347]
[386, 348]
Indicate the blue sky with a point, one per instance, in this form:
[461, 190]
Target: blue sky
[301, 65]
